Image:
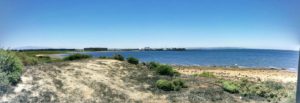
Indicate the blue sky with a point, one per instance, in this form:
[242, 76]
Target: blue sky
[269, 24]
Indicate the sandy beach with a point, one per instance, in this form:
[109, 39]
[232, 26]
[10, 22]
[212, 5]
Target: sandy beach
[236, 73]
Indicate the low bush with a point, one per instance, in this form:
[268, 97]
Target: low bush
[179, 82]
[118, 57]
[104, 57]
[206, 74]
[270, 90]
[165, 85]
[152, 65]
[26, 59]
[10, 68]
[44, 57]
[133, 60]
[173, 85]
[267, 89]
[77, 57]
[273, 85]
[166, 70]
[230, 87]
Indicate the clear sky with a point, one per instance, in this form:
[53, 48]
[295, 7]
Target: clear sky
[269, 24]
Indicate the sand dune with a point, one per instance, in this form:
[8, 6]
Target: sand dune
[82, 81]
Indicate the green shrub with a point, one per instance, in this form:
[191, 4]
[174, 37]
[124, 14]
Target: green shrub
[166, 70]
[77, 57]
[173, 85]
[10, 68]
[26, 59]
[179, 82]
[230, 87]
[267, 89]
[206, 74]
[165, 85]
[270, 90]
[152, 65]
[118, 57]
[273, 85]
[162, 69]
[133, 60]
[103, 57]
[44, 57]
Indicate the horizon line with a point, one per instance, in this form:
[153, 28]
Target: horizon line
[190, 48]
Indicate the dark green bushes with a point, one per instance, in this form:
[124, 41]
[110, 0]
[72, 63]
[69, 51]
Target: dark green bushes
[104, 57]
[173, 85]
[118, 57]
[10, 68]
[77, 57]
[162, 69]
[133, 60]
[152, 65]
[166, 70]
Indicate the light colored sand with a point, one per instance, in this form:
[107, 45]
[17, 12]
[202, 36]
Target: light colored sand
[80, 80]
[255, 74]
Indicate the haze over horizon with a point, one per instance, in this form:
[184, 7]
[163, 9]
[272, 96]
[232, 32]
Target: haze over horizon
[268, 24]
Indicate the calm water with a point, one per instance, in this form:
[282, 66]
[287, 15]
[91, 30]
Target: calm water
[225, 57]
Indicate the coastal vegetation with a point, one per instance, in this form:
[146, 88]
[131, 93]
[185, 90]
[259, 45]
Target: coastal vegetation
[170, 85]
[271, 90]
[162, 69]
[77, 57]
[166, 70]
[45, 52]
[103, 57]
[27, 60]
[118, 57]
[206, 74]
[10, 68]
[133, 60]
[30, 58]
[230, 87]
[161, 79]
[152, 65]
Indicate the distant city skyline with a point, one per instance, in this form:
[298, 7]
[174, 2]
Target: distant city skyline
[267, 24]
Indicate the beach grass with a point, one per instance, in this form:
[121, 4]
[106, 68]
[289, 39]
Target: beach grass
[206, 74]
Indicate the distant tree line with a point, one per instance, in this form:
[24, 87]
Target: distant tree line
[46, 50]
[95, 49]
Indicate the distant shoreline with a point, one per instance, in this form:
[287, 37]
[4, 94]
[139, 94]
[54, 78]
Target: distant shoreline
[60, 56]
[186, 49]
